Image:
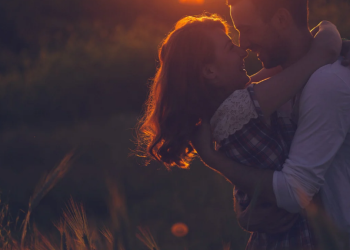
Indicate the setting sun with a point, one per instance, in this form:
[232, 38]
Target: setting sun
[191, 1]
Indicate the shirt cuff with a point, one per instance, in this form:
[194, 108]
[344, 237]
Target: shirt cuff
[284, 195]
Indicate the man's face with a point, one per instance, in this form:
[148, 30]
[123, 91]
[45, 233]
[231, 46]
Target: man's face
[258, 36]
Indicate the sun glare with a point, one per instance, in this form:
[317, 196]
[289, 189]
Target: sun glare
[191, 1]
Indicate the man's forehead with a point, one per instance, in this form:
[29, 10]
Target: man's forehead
[243, 13]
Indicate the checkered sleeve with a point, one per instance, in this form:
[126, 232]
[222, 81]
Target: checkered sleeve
[266, 146]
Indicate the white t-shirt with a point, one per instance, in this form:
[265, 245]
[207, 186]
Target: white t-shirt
[319, 157]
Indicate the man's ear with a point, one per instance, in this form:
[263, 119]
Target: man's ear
[209, 72]
[282, 19]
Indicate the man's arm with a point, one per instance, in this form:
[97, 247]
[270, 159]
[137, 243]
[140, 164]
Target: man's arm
[345, 52]
[257, 183]
[322, 129]
[323, 125]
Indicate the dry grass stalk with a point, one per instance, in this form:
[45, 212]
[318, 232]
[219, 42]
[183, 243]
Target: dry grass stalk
[76, 220]
[108, 238]
[107, 234]
[7, 241]
[41, 242]
[119, 218]
[64, 241]
[61, 227]
[146, 238]
[44, 187]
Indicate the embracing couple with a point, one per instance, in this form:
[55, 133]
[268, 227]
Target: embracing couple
[282, 136]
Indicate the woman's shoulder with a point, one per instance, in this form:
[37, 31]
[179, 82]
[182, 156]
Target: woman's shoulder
[239, 96]
[235, 112]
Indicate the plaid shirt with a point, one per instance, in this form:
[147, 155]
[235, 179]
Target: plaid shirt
[265, 146]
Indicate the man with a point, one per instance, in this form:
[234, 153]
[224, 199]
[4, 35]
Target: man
[319, 159]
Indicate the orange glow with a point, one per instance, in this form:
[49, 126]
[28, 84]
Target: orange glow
[179, 229]
[192, 1]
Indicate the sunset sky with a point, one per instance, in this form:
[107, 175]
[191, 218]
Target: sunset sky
[191, 1]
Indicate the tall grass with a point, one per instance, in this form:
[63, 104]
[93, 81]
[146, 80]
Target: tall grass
[48, 182]
[75, 231]
[146, 237]
[73, 227]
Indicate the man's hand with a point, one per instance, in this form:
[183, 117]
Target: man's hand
[266, 218]
[327, 41]
[345, 53]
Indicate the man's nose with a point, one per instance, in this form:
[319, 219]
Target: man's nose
[244, 43]
[242, 52]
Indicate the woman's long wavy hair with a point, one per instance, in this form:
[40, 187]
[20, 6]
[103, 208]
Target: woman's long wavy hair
[179, 94]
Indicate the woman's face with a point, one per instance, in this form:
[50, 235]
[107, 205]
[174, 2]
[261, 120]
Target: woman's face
[227, 71]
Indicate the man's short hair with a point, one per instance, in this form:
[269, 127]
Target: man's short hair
[267, 8]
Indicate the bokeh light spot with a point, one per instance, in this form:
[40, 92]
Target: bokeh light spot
[179, 229]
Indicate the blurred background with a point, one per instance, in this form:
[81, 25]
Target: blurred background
[74, 74]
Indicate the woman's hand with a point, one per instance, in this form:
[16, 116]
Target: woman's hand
[327, 41]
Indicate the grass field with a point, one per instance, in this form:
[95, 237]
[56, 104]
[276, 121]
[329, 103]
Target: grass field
[154, 197]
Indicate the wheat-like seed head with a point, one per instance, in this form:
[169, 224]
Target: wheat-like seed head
[49, 181]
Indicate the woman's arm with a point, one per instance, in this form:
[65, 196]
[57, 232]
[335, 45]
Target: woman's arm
[265, 73]
[274, 92]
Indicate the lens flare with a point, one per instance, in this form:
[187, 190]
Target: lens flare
[191, 1]
[179, 229]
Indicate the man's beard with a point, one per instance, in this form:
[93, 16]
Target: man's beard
[275, 57]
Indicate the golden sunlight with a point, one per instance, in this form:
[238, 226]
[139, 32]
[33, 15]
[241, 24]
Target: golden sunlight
[191, 1]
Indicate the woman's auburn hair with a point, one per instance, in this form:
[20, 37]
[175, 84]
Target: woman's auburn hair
[178, 97]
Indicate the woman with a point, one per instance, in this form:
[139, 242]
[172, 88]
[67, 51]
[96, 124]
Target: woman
[202, 77]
